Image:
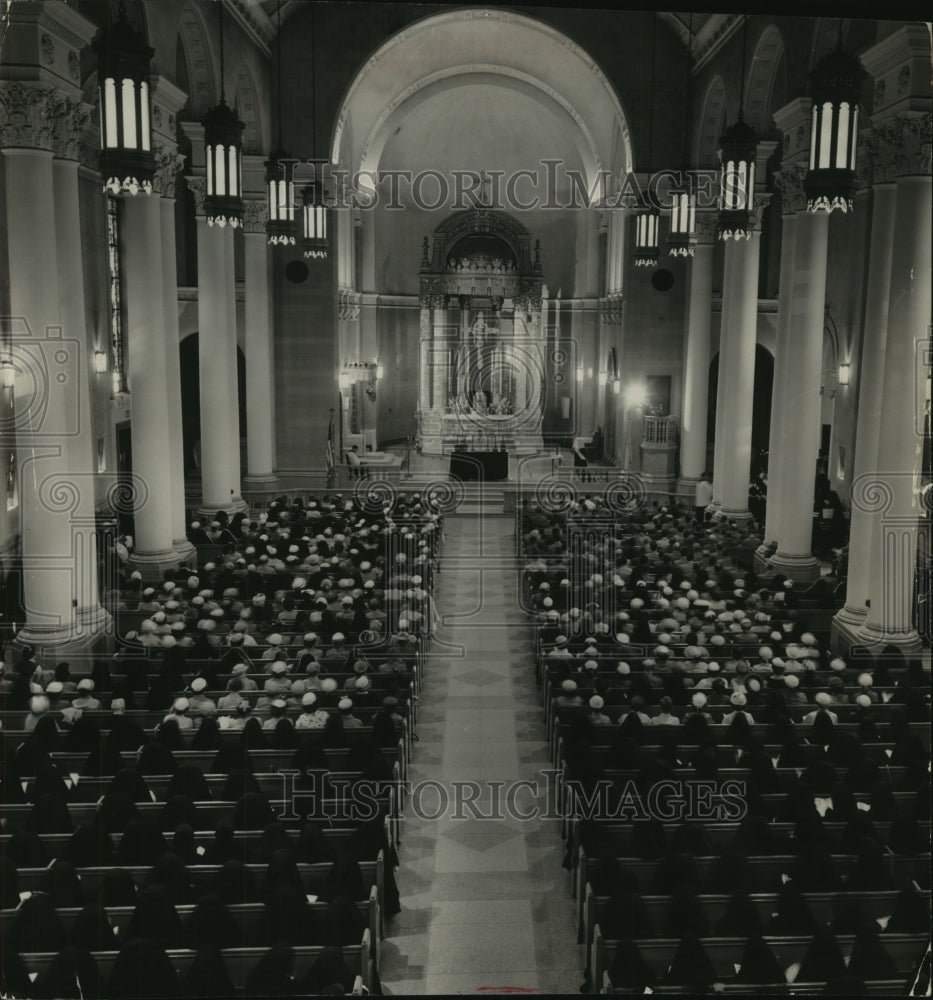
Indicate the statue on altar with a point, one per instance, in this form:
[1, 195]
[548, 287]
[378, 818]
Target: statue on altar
[479, 329]
[479, 402]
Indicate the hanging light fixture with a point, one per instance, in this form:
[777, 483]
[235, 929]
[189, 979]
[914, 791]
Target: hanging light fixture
[834, 85]
[280, 175]
[314, 210]
[738, 149]
[223, 141]
[682, 237]
[647, 216]
[123, 64]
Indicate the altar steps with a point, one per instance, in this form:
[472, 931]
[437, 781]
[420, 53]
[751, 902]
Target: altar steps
[480, 499]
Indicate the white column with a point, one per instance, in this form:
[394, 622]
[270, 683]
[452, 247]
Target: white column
[260, 401]
[892, 497]
[784, 365]
[220, 420]
[722, 394]
[440, 354]
[739, 337]
[869, 417]
[79, 471]
[800, 426]
[55, 483]
[426, 358]
[183, 548]
[148, 382]
[696, 367]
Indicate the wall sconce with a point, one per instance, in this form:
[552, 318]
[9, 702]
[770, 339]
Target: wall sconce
[343, 380]
[604, 377]
[580, 373]
[616, 386]
[844, 373]
[380, 370]
[8, 373]
[100, 362]
[636, 395]
[589, 372]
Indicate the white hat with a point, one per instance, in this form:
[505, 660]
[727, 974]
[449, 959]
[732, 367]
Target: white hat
[765, 652]
[279, 703]
[590, 665]
[239, 668]
[199, 684]
[623, 668]
[344, 704]
[865, 680]
[792, 680]
[168, 641]
[698, 700]
[737, 699]
[180, 705]
[596, 702]
[863, 701]
[569, 685]
[85, 684]
[328, 684]
[275, 639]
[338, 637]
[54, 687]
[38, 704]
[279, 667]
[808, 639]
[308, 699]
[837, 664]
[822, 698]
[561, 640]
[636, 602]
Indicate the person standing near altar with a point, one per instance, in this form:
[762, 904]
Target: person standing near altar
[579, 458]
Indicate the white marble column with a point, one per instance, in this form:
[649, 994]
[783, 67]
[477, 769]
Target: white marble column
[870, 389]
[722, 393]
[260, 401]
[147, 373]
[220, 420]
[892, 497]
[54, 475]
[426, 358]
[738, 339]
[784, 365]
[800, 426]
[699, 307]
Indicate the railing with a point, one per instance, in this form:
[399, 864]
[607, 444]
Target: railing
[659, 430]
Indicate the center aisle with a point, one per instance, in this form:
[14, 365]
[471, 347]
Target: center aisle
[483, 903]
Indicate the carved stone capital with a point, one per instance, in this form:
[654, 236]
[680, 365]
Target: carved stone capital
[255, 215]
[69, 119]
[169, 163]
[198, 187]
[27, 119]
[900, 147]
[789, 181]
[706, 223]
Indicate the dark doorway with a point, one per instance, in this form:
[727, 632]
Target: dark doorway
[191, 399]
[761, 406]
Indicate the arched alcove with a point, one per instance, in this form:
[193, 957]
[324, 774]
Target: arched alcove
[197, 53]
[711, 121]
[767, 62]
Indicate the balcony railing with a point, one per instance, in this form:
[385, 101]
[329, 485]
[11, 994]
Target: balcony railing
[659, 430]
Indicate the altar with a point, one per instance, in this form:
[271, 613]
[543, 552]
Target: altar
[479, 466]
[481, 337]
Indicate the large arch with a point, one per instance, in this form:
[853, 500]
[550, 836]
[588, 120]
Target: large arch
[711, 119]
[510, 50]
[202, 95]
[767, 62]
[247, 107]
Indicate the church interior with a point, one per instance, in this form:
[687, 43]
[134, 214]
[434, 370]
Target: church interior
[465, 519]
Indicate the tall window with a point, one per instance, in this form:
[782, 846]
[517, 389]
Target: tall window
[116, 296]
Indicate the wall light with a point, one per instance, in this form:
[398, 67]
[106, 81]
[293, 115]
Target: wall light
[100, 362]
[580, 373]
[343, 380]
[636, 395]
[617, 385]
[844, 373]
[8, 373]
[380, 370]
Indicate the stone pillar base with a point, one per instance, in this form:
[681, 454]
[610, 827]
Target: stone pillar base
[153, 564]
[907, 641]
[231, 507]
[251, 481]
[846, 625]
[91, 637]
[687, 487]
[723, 514]
[187, 553]
[799, 568]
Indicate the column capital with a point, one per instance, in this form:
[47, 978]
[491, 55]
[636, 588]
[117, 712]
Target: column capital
[169, 163]
[900, 147]
[27, 116]
[69, 120]
[900, 67]
[789, 181]
[794, 122]
[706, 228]
[165, 100]
[198, 187]
[255, 215]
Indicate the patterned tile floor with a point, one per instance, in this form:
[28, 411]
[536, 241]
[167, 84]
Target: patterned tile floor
[485, 902]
